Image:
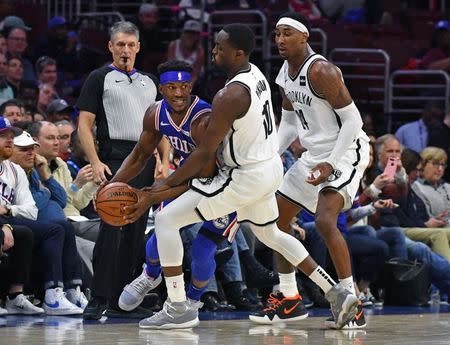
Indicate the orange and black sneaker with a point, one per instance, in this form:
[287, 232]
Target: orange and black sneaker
[281, 309]
[356, 323]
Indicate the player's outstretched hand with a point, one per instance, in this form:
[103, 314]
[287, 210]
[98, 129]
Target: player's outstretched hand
[319, 173]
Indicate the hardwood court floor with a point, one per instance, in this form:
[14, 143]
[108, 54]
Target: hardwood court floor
[425, 327]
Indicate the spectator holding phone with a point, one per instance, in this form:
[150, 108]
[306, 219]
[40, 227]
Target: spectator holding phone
[412, 215]
[431, 188]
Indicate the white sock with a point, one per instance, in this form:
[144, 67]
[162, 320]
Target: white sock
[322, 279]
[348, 284]
[175, 288]
[288, 284]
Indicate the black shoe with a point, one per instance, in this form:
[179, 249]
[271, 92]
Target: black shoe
[223, 255]
[212, 303]
[356, 323]
[243, 303]
[137, 313]
[251, 295]
[95, 309]
[281, 309]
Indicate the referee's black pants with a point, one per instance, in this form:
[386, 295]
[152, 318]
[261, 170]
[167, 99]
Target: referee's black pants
[118, 252]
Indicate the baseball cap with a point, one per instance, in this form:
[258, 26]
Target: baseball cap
[57, 106]
[442, 24]
[5, 125]
[56, 21]
[14, 22]
[24, 140]
[192, 25]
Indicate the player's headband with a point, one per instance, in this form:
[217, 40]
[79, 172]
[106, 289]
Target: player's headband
[293, 23]
[174, 77]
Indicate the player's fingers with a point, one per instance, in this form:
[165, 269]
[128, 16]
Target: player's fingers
[107, 170]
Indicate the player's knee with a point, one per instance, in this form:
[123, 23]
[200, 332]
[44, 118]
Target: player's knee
[326, 225]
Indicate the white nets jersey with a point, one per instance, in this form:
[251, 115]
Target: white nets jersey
[252, 138]
[318, 124]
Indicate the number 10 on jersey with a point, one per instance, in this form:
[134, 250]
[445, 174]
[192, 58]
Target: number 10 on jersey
[268, 125]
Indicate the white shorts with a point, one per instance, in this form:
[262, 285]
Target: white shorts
[345, 179]
[248, 190]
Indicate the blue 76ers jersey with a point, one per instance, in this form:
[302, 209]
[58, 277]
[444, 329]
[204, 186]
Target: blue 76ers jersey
[181, 140]
[180, 136]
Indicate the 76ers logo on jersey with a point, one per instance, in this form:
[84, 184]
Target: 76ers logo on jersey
[222, 222]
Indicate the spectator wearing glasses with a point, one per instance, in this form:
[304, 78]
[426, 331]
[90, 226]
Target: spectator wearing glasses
[15, 31]
[434, 192]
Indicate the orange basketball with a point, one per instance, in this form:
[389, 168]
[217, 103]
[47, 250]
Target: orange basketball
[111, 200]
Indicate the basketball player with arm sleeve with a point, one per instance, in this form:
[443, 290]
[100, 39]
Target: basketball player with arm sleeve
[181, 118]
[241, 135]
[317, 108]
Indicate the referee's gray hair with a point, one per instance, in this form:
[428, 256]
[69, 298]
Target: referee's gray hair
[123, 27]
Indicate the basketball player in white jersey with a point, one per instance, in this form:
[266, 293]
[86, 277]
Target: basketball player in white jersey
[318, 108]
[241, 130]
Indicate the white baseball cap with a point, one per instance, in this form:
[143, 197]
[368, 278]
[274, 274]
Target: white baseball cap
[24, 140]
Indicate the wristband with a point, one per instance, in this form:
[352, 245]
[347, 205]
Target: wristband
[74, 187]
[374, 191]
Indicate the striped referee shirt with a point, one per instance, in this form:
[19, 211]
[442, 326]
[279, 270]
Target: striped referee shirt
[119, 104]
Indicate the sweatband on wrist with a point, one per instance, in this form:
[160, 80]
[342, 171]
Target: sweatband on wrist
[174, 77]
[74, 187]
[374, 191]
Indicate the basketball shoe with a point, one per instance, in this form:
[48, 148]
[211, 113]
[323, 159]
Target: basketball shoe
[21, 305]
[281, 309]
[343, 304]
[174, 315]
[357, 322]
[56, 303]
[133, 294]
[77, 297]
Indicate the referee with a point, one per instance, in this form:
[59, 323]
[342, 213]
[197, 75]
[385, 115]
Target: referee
[115, 98]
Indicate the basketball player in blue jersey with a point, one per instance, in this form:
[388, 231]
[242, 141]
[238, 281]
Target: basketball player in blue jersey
[240, 135]
[318, 109]
[181, 118]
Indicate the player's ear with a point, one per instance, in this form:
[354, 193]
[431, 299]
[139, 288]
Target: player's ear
[190, 87]
[138, 47]
[110, 46]
[160, 88]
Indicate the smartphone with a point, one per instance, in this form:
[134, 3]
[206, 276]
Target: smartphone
[391, 167]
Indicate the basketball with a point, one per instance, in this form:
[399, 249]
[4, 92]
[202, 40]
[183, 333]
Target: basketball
[111, 200]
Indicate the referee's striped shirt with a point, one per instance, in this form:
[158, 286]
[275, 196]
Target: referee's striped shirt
[119, 104]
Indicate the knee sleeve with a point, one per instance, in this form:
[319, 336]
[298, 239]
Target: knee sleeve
[203, 263]
[169, 244]
[285, 244]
